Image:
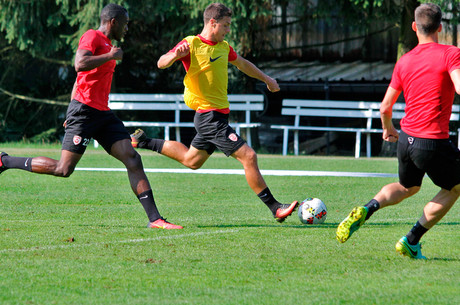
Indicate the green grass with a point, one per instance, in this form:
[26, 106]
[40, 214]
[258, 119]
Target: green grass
[83, 239]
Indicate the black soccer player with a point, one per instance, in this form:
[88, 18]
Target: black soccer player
[88, 115]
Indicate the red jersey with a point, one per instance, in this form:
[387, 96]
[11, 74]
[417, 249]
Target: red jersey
[93, 87]
[423, 74]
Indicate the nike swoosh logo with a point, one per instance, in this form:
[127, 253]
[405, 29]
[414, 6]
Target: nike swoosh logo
[214, 59]
[27, 161]
[144, 197]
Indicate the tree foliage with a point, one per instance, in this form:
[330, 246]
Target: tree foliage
[38, 40]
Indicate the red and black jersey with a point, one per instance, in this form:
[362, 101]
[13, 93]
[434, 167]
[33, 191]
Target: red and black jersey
[93, 87]
[423, 74]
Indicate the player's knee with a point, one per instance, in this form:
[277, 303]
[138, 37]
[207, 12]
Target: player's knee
[251, 156]
[194, 164]
[133, 160]
[64, 171]
[412, 190]
[456, 190]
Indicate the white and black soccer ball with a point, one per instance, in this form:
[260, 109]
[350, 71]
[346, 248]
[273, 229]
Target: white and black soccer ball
[312, 211]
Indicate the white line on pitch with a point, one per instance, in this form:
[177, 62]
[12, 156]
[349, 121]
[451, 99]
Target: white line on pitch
[128, 241]
[241, 172]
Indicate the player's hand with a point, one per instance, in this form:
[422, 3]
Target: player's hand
[390, 135]
[116, 53]
[272, 85]
[182, 50]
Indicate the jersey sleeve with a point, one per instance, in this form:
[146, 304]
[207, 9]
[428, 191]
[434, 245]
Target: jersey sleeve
[232, 54]
[396, 79]
[178, 45]
[453, 59]
[88, 42]
[186, 59]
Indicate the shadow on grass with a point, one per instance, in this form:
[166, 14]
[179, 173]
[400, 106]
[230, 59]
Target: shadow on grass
[444, 259]
[323, 225]
[385, 224]
[326, 225]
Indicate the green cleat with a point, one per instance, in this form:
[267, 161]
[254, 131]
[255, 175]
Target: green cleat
[353, 222]
[413, 251]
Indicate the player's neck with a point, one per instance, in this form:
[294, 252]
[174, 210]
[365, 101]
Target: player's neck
[104, 30]
[208, 34]
[422, 39]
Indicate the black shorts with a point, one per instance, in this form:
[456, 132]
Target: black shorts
[439, 159]
[214, 132]
[84, 122]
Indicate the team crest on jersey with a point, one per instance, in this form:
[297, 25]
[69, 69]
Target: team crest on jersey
[76, 140]
[233, 137]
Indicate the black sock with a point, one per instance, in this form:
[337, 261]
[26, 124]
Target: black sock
[372, 206]
[147, 201]
[414, 235]
[267, 197]
[17, 162]
[152, 144]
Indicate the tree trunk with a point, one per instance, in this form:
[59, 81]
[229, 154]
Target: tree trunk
[407, 38]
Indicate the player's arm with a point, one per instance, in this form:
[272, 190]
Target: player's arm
[251, 70]
[166, 60]
[85, 60]
[455, 76]
[74, 90]
[390, 133]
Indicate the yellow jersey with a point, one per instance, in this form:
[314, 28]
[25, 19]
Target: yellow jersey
[206, 81]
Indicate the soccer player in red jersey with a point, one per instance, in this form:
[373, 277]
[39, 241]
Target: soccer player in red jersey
[429, 76]
[205, 58]
[88, 115]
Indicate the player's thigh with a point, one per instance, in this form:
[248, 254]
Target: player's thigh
[196, 157]
[409, 174]
[122, 149]
[69, 159]
[245, 154]
[444, 169]
[78, 127]
[111, 131]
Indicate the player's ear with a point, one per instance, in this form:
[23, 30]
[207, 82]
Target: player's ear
[414, 26]
[113, 22]
[440, 28]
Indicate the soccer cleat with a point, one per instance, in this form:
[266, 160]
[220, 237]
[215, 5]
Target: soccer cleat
[413, 251]
[285, 210]
[353, 222]
[137, 137]
[161, 223]
[2, 167]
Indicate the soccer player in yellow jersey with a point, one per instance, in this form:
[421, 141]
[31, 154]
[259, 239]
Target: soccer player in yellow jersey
[205, 58]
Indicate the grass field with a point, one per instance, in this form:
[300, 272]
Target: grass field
[83, 239]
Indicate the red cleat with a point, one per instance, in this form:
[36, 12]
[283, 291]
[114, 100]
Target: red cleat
[285, 210]
[161, 223]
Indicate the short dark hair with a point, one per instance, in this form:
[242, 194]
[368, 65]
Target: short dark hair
[216, 11]
[111, 11]
[428, 18]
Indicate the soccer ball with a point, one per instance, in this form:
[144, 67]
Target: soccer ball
[312, 211]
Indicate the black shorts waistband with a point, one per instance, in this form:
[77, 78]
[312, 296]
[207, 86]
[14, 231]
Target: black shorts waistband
[422, 143]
